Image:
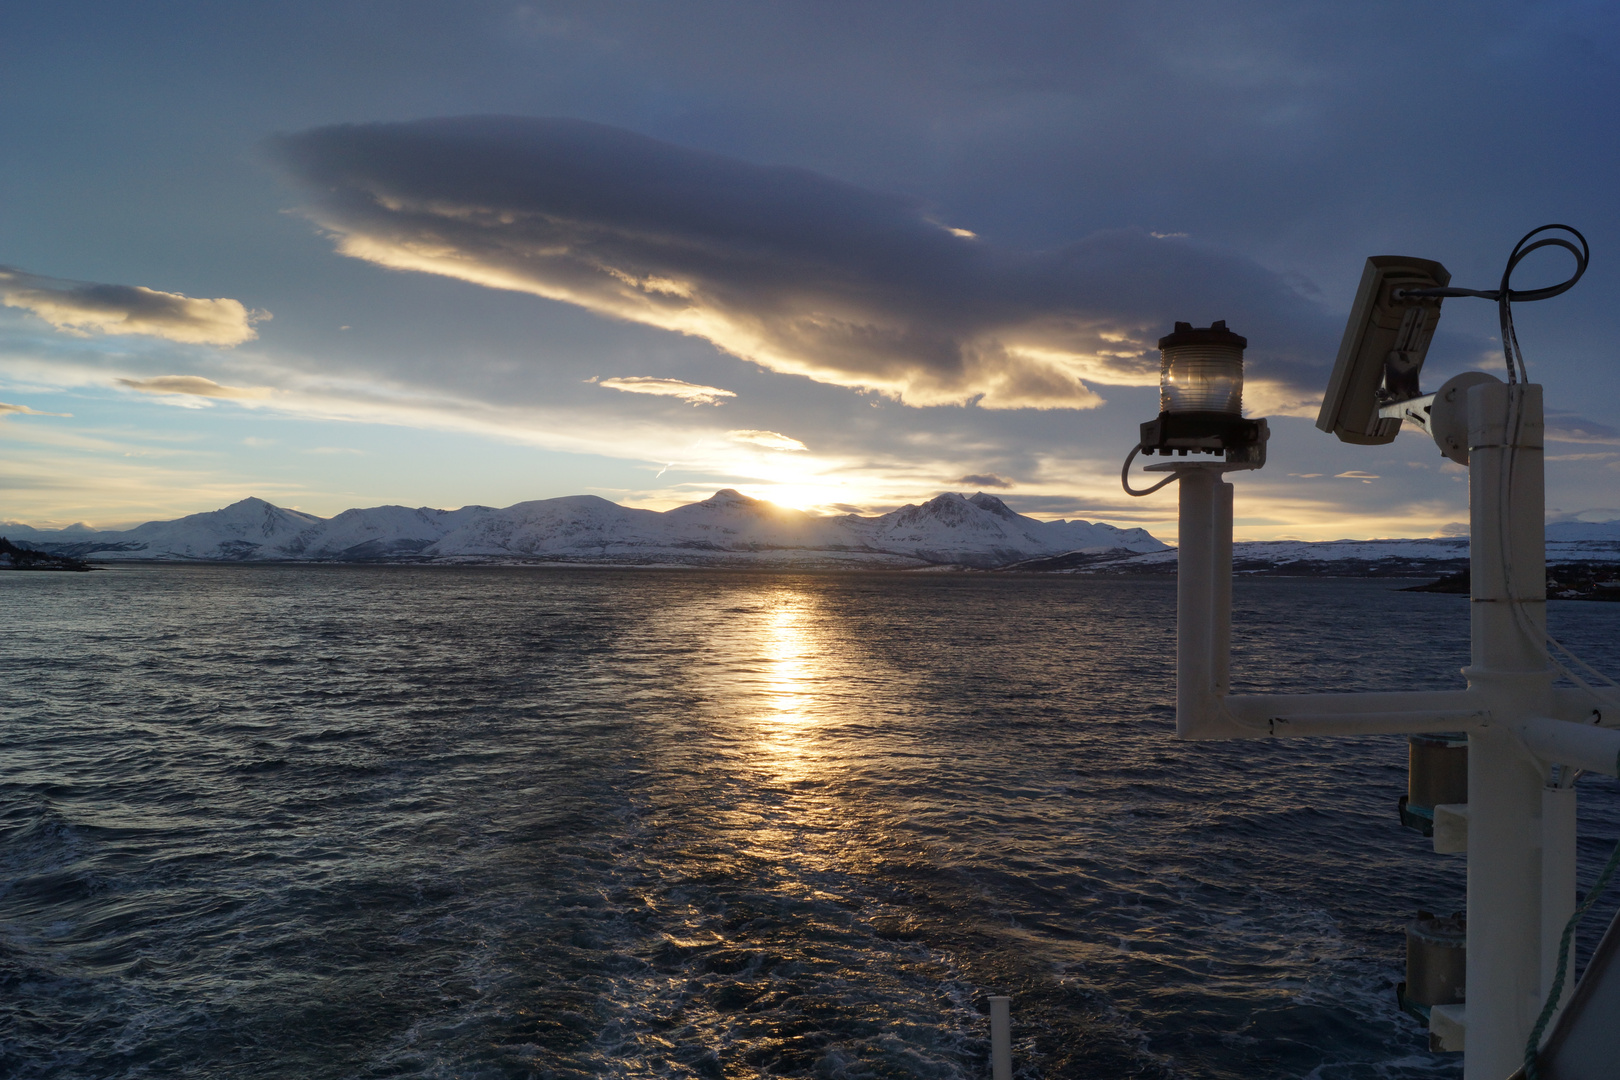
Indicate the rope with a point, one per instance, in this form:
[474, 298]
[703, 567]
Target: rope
[1532, 1069]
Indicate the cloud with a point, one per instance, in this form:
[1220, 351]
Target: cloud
[984, 480]
[193, 385]
[1568, 427]
[794, 271]
[696, 393]
[79, 307]
[23, 410]
[771, 440]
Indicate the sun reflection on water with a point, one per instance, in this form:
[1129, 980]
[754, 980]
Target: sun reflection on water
[789, 663]
[791, 658]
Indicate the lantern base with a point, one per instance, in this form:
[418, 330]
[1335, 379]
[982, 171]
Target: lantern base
[1242, 441]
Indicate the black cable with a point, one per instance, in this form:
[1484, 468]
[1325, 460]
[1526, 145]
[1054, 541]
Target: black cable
[1125, 476]
[1506, 294]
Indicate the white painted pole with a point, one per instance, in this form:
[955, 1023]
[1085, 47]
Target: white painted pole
[1220, 661]
[1001, 1038]
[1509, 664]
[1195, 602]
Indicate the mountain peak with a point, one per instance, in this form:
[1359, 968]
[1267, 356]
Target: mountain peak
[947, 507]
[732, 499]
[993, 504]
[256, 509]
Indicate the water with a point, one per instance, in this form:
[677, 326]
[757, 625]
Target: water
[321, 822]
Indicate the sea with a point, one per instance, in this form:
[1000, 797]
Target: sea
[489, 822]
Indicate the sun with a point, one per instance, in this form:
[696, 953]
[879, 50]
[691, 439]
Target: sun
[809, 496]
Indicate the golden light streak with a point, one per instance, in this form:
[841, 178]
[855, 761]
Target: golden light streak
[790, 670]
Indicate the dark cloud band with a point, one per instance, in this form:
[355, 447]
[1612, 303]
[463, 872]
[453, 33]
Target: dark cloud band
[792, 270]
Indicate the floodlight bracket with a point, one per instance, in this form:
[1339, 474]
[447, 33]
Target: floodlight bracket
[1418, 410]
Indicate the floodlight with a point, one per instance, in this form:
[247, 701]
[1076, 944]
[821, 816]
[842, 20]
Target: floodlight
[1383, 349]
[1375, 379]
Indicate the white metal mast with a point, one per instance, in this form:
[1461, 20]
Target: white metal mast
[1525, 737]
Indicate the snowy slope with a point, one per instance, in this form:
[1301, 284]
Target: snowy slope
[578, 526]
[1583, 541]
[983, 531]
[731, 521]
[726, 529]
[1359, 556]
[1584, 531]
[250, 529]
[1588, 543]
[381, 531]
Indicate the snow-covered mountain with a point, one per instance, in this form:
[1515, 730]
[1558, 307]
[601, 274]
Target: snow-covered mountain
[727, 529]
[730, 529]
[236, 532]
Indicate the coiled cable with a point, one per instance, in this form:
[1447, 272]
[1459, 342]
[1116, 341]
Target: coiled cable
[1505, 294]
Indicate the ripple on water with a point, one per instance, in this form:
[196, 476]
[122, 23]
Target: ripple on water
[474, 822]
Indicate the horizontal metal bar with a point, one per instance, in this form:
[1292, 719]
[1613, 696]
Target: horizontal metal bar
[1577, 706]
[1583, 746]
[1380, 723]
[1262, 707]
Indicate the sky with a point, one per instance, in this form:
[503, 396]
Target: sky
[841, 256]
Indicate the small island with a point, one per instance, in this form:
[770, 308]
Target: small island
[1568, 581]
[13, 557]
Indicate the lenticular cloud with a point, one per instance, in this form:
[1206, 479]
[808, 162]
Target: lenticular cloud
[794, 271]
[193, 386]
[80, 307]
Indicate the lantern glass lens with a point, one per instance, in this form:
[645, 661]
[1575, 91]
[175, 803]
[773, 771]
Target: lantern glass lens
[1201, 378]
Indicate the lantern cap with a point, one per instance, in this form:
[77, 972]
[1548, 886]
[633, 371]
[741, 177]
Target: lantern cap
[1215, 333]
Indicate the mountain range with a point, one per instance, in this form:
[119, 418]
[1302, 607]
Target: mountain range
[731, 529]
[727, 529]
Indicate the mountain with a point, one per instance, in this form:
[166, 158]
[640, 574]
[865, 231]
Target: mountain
[1584, 532]
[727, 529]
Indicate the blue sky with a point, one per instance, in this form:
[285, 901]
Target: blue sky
[835, 255]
